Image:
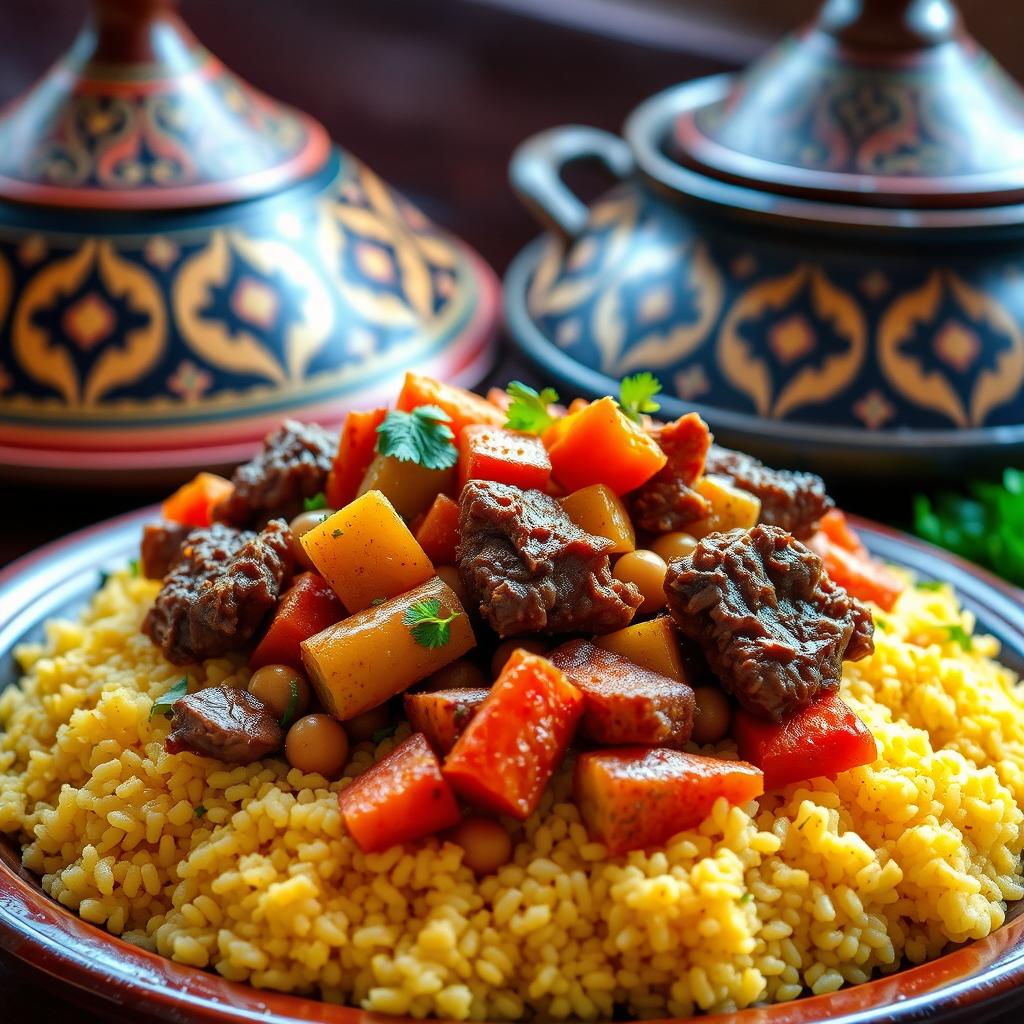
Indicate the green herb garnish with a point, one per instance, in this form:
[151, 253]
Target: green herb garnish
[958, 635]
[931, 585]
[428, 626]
[422, 436]
[314, 504]
[336, 533]
[164, 704]
[377, 601]
[383, 734]
[133, 567]
[528, 411]
[293, 703]
[882, 622]
[985, 525]
[746, 897]
[636, 394]
[200, 811]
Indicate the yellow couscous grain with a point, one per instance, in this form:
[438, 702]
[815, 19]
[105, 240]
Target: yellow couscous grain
[248, 870]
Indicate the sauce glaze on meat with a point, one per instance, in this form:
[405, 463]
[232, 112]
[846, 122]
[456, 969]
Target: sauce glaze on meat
[231, 725]
[532, 570]
[216, 596]
[773, 627]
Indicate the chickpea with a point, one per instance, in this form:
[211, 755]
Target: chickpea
[485, 844]
[712, 715]
[459, 674]
[317, 744]
[272, 684]
[303, 523]
[504, 651]
[673, 545]
[647, 570]
[450, 575]
[363, 727]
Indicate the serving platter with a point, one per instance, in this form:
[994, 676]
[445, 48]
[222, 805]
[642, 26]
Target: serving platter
[95, 969]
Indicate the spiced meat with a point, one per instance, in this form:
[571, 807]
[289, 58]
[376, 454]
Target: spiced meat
[223, 586]
[231, 725]
[292, 466]
[161, 548]
[532, 570]
[773, 627]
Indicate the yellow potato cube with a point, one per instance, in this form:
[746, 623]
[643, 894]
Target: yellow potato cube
[410, 487]
[652, 645]
[366, 552]
[367, 658]
[731, 508]
[599, 511]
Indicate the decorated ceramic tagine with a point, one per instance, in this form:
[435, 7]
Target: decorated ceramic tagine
[823, 255]
[184, 260]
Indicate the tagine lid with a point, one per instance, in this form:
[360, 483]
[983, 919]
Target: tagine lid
[138, 115]
[877, 103]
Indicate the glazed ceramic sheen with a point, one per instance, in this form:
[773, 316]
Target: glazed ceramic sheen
[829, 246]
[112, 976]
[183, 259]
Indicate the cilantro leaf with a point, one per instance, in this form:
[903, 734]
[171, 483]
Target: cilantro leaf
[422, 436]
[383, 734]
[164, 704]
[428, 626]
[959, 635]
[636, 394]
[318, 501]
[528, 411]
[746, 897]
[200, 811]
[293, 703]
[133, 567]
[930, 585]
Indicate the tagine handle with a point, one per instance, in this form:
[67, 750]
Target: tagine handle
[890, 24]
[135, 31]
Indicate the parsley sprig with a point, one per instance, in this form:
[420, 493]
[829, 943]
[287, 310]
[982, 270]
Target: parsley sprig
[528, 412]
[636, 394]
[422, 436]
[428, 626]
[164, 704]
[293, 703]
[958, 635]
[314, 504]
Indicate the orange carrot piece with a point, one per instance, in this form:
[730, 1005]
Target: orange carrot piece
[401, 798]
[463, 406]
[493, 453]
[517, 739]
[442, 715]
[192, 504]
[635, 797]
[438, 533]
[356, 448]
[307, 607]
[599, 444]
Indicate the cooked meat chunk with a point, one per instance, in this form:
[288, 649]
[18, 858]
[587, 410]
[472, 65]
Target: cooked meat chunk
[791, 500]
[772, 625]
[231, 725]
[667, 501]
[224, 584]
[623, 703]
[293, 465]
[161, 548]
[532, 570]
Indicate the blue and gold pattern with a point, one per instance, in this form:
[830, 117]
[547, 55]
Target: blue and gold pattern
[243, 310]
[781, 328]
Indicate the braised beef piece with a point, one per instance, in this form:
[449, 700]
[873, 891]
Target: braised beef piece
[532, 570]
[161, 546]
[224, 584]
[667, 501]
[772, 625]
[293, 465]
[792, 500]
[231, 725]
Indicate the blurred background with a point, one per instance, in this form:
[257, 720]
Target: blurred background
[435, 94]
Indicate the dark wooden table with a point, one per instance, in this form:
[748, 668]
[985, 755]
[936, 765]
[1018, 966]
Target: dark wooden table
[433, 96]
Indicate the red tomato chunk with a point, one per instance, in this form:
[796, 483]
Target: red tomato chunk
[516, 740]
[492, 453]
[308, 606]
[401, 798]
[822, 739]
[635, 797]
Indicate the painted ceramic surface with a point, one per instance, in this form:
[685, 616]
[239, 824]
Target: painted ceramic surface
[788, 328]
[308, 297]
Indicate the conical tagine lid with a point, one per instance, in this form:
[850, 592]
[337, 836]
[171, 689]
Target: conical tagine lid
[877, 102]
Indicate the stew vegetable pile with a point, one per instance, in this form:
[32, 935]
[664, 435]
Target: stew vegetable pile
[523, 583]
